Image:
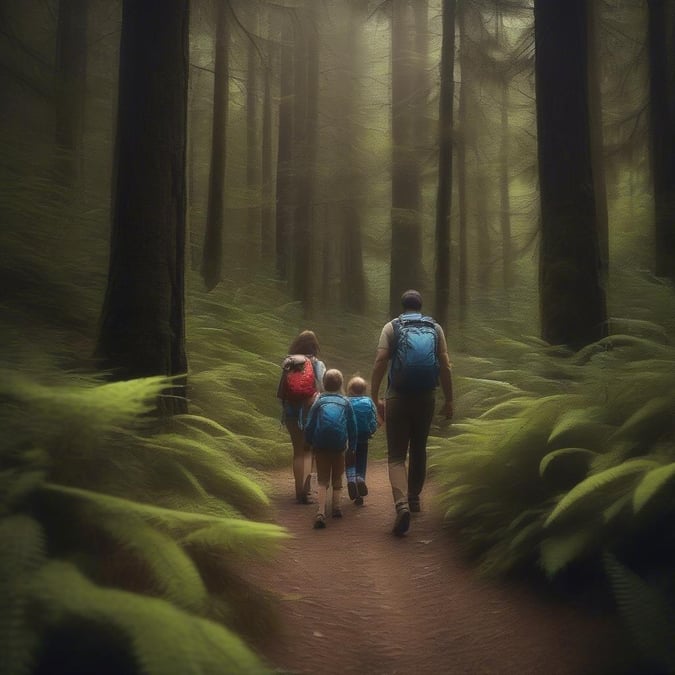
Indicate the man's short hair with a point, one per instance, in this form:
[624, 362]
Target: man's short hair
[411, 299]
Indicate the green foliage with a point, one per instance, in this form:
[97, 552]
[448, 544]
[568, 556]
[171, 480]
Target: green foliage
[567, 463]
[126, 506]
[161, 637]
[647, 612]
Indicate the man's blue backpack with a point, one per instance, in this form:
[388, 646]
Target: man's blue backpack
[327, 426]
[414, 361]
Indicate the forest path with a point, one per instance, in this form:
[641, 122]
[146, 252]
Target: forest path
[356, 599]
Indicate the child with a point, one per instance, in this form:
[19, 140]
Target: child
[366, 425]
[330, 428]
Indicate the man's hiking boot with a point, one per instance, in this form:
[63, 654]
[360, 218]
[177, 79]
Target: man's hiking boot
[359, 501]
[319, 521]
[361, 487]
[351, 489]
[414, 504]
[402, 522]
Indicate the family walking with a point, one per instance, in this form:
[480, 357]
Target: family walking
[331, 429]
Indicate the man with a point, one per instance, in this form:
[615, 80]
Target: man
[409, 406]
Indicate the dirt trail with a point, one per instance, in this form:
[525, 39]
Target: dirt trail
[356, 599]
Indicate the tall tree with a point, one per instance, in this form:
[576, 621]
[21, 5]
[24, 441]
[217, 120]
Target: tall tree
[212, 254]
[267, 170]
[444, 188]
[462, 164]
[353, 286]
[305, 131]
[406, 231]
[284, 181]
[253, 159]
[661, 43]
[71, 70]
[142, 325]
[572, 298]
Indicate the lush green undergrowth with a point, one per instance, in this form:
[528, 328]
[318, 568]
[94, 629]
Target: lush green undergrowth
[564, 462]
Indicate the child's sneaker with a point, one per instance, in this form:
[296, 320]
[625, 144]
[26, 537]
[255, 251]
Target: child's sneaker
[351, 489]
[361, 487]
[337, 513]
[359, 501]
[319, 521]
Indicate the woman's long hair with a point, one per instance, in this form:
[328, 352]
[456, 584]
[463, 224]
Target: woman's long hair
[305, 343]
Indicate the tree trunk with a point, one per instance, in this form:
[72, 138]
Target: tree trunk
[444, 189]
[212, 255]
[284, 204]
[662, 121]
[253, 159]
[406, 231]
[305, 131]
[142, 326]
[71, 69]
[267, 197]
[573, 309]
[597, 135]
[463, 280]
[353, 286]
[504, 192]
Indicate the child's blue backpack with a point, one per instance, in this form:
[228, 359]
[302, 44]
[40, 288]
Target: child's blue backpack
[414, 362]
[366, 415]
[328, 428]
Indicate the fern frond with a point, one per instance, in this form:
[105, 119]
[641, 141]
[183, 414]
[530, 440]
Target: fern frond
[164, 639]
[582, 427]
[556, 553]
[649, 618]
[172, 573]
[651, 484]
[23, 552]
[593, 486]
[566, 466]
[652, 420]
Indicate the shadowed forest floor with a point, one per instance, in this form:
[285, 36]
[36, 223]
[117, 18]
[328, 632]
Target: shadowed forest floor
[356, 599]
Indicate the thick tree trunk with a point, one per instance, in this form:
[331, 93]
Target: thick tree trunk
[212, 253]
[142, 327]
[267, 187]
[406, 231]
[444, 188]
[662, 120]
[573, 306]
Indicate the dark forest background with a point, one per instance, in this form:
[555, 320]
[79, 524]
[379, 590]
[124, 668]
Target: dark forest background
[186, 185]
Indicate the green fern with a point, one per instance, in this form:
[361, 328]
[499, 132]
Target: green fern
[556, 553]
[598, 487]
[648, 616]
[163, 639]
[652, 420]
[652, 483]
[566, 467]
[23, 552]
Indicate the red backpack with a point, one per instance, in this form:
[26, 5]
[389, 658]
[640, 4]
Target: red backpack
[298, 379]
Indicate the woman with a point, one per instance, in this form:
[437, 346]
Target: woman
[295, 409]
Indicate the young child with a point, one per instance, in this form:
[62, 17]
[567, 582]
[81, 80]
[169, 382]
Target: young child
[330, 429]
[366, 425]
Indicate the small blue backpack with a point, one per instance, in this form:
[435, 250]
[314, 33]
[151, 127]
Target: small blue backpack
[414, 362]
[327, 426]
[366, 415]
